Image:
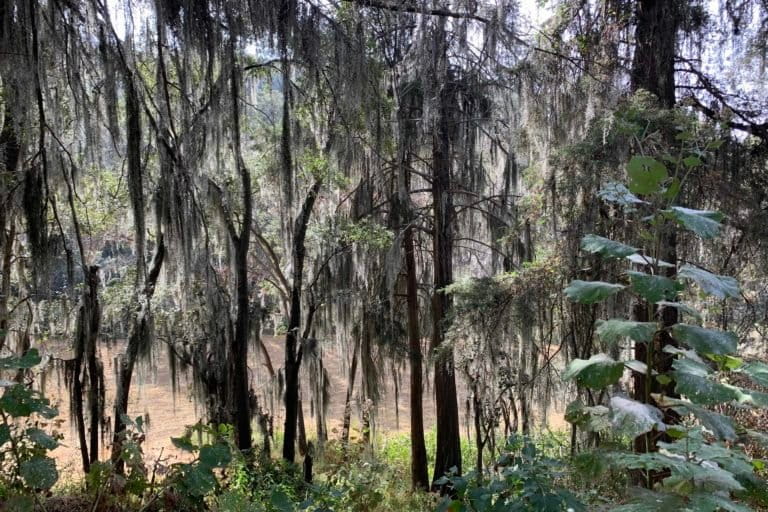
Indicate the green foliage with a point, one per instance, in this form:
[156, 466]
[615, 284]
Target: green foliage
[703, 473]
[705, 224]
[523, 479]
[591, 292]
[711, 284]
[612, 331]
[597, 372]
[605, 247]
[26, 470]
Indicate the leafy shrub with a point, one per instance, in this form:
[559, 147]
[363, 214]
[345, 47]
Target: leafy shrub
[522, 479]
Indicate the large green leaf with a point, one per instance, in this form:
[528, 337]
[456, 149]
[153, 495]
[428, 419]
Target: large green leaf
[633, 418]
[199, 480]
[646, 175]
[706, 341]
[42, 439]
[711, 502]
[712, 284]
[39, 472]
[703, 390]
[619, 194]
[749, 396]
[719, 425]
[591, 292]
[640, 259]
[650, 501]
[704, 223]
[597, 372]
[614, 330]
[592, 419]
[606, 247]
[19, 400]
[184, 443]
[756, 371]
[653, 288]
[215, 455]
[281, 501]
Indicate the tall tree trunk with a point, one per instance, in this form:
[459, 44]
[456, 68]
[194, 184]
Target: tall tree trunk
[448, 452]
[138, 338]
[239, 352]
[419, 476]
[653, 65]
[293, 343]
[653, 70]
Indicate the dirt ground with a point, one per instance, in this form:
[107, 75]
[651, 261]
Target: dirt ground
[168, 414]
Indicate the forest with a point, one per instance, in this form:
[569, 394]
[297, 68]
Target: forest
[383, 255]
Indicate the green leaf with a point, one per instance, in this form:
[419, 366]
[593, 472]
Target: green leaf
[29, 360]
[183, 443]
[39, 472]
[619, 194]
[757, 372]
[639, 259]
[199, 481]
[19, 400]
[636, 366]
[215, 455]
[606, 247]
[692, 161]
[684, 308]
[597, 372]
[645, 175]
[42, 439]
[614, 330]
[591, 292]
[281, 501]
[634, 418]
[591, 419]
[673, 189]
[5, 433]
[719, 425]
[711, 284]
[711, 502]
[704, 223]
[706, 341]
[702, 390]
[653, 288]
[726, 363]
[650, 501]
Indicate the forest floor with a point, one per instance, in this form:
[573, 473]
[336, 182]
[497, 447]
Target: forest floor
[169, 413]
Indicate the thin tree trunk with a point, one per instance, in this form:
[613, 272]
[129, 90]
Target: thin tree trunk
[653, 70]
[419, 476]
[346, 423]
[293, 344]
[138, 337]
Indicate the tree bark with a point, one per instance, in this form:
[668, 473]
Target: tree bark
[239, 352]
[293, 348]
[653, 70]
[448, 452]
[138, 337]
[346, 423]
[419, 476]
